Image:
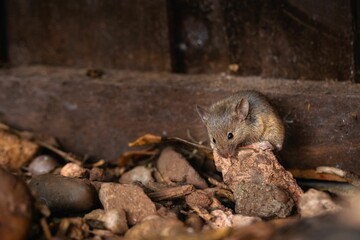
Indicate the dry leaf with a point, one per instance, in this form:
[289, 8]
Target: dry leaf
[145, 140]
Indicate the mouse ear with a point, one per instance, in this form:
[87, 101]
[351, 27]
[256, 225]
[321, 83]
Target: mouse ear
[242, 109]
[203, 113]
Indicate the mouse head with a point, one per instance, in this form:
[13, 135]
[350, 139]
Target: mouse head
[226, 125]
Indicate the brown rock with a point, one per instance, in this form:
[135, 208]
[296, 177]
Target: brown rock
[129, 198]
[198, 199]
[42, 164]
[156, 227]
[74, 228]
[15, 207]
[195, 222]
[65, 195]
[101, 175]
[74, 171]
[137, 174]
[261, 186]
[15, 152]
[104, 174]
[174, 167]
[314, 203]
[262, 200]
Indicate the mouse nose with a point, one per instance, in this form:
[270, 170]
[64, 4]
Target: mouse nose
[227, 153]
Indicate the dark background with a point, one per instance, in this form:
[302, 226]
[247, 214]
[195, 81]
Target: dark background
[294, 39]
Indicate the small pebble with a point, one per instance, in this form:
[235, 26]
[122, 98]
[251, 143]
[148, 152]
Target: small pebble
[74, 171]
[314, 203]
[128, 198]
[173, 166]
[222, 219]
[113, 220]
[156, 227]
[42, 164]
[65, 195]
[198, 199]
[98, 174]
[238, 220]
[137, 174]
[195, 222]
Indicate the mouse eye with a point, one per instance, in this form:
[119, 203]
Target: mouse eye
[213, 140]
[230, 135]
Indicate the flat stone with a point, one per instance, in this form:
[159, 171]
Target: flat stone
[42, 164]
[15, 207]
[129, 198]
[174, 167]
[65, 195]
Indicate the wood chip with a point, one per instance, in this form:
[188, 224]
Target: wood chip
[171, 192]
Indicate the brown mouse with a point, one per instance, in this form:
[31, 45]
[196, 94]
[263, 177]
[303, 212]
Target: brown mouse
[241, 120]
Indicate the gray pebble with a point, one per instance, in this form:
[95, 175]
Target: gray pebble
[137, 174]
[42, 164]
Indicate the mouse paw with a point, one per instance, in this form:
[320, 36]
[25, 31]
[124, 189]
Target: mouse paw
[264, 145]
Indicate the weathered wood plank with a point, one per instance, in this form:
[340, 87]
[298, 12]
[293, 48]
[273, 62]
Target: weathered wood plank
[127, 34]
[99, 116]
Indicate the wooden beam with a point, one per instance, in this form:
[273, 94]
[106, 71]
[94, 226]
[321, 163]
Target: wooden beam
[127, 34]
[100, 116]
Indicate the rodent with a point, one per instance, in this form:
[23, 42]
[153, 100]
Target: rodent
[240, 120]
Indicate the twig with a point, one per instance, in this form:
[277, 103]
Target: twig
[45, 228]
[67, 156]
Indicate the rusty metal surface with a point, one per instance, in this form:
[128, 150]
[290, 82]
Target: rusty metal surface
[100, 116]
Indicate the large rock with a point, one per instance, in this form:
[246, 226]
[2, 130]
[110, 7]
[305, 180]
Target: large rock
[65, 195]
[174, 167]
[129, 198]
[15, 207]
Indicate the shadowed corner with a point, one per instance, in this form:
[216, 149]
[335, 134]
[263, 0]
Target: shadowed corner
[3, 35]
